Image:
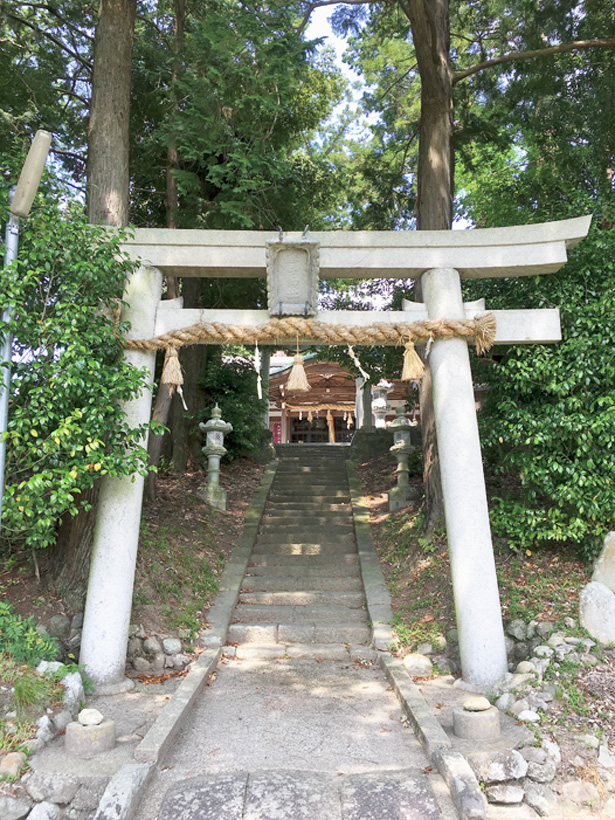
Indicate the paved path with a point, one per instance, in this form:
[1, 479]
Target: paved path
[295, 725]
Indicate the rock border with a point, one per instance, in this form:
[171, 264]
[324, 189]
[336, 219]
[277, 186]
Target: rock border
[457, 773]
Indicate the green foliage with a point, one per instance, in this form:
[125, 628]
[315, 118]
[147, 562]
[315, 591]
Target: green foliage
[549, 418]
[238, 102]
[230, 382]
[20, 640]
[66, 427]
[29, 690]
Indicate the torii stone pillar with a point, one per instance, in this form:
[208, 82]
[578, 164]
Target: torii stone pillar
[477, 603]
[109, 599]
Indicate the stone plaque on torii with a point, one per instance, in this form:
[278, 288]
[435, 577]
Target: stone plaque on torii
[441, 259]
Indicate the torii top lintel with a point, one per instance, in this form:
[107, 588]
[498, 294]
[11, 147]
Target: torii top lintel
[523, 250]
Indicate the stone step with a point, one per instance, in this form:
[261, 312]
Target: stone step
[302, 597]
[240, 633]
[289, 498]
[299, 651]
[302, 507]
[332, 564]
[335, 451]
[310, 581]
[307, 513]
[310, 566]
[303, 795]
[284, 521]
[329, 615]
[282, 546]
[307, 528]
[302, 466]
[316, 492]
[322, 537]
[324, 479]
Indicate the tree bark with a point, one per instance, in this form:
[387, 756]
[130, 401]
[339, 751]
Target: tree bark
[186, 438]
[429, 20]
[108, 131]
[108, 203]
[164, 400]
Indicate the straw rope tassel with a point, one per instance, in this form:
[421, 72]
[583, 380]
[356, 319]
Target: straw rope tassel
[486, 327]
[172, 374]
[297, 380]
[414, 368]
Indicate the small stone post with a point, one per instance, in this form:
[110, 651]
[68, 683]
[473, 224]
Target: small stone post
[399, 496]
[215, 429]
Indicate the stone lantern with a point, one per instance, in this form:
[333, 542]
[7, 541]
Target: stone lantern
[400, 495]
[214, 449]
[380, 406]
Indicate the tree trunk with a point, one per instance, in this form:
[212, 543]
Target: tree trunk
[162, 408]
[429, 20]
[108, 201]
[187, 439]
[108, 131]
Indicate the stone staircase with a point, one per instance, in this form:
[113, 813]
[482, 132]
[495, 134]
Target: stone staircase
[302, 595]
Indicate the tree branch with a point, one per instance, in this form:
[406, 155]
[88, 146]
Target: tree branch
[578, 45]
[58, 16]
[323, 3]
[75, 55]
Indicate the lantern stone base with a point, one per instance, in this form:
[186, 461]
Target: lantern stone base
[399, 497]
[214, 495]
[368, 442]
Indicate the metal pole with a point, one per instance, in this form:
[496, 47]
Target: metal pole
[12, 244]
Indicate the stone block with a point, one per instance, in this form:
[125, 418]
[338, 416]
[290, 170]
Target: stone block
[152, 647]
[482, 725]
[46, 730]
[11, 764]
[13, 809]
[597, 612]
[540, 798]
[541, 765]
[52, 787]
[142, 666]
[74, 694]
[528, 716]
[59, 627]
[418, 665]
[61, 720]
[505, 793]
[44, 811]
[90, 717]
[88, 741]
[517, 629]
[498, 767]
[604, 568]
[374, 797]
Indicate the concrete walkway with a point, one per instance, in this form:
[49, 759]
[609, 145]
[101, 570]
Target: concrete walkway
[297, 722]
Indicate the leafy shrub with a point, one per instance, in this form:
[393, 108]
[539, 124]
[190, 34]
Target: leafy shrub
[66, 427]
[20, 640]
[548, 425]
[231, 384]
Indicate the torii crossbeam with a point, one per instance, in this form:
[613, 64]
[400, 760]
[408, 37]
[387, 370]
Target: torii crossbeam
[441, 259]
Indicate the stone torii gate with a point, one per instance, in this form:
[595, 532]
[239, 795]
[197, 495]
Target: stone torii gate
[441, 259]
